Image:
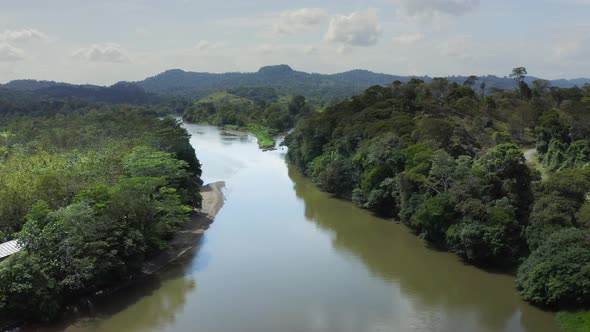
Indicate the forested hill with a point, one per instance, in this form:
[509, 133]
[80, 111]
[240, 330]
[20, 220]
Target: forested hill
[284, 79]
[120, 93]
[448, 162]
[292, 82]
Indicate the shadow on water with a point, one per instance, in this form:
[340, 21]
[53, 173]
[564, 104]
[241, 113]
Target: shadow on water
[153, 307]
[430, 278]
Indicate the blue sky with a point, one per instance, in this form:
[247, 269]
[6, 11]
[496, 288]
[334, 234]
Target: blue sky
[106, 41]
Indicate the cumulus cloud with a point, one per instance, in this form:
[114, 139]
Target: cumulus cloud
[409, 38]
[293, 21]
[357, 29]
[22, 35]
[9, 53]
[108, 52]
[430, 8]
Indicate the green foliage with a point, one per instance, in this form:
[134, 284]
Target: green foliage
[558, 272]
[558, 205]
[434, 217]
[477, 242]
[335, 175]
[265, 116]
[264, 135]
[449, 164]
[574, 321]
[89, 197]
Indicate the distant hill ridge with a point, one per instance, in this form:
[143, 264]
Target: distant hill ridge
[283, 78]
[122, 92]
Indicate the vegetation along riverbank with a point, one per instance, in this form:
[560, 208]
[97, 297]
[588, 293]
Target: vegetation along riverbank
[93, 196]
[260, 111]
[446, 160]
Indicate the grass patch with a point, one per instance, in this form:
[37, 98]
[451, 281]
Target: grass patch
[264, 135]
[578, 321]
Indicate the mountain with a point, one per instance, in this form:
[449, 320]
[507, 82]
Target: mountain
[281, 77]
[119, 93]
[289, 81]
[284, 79]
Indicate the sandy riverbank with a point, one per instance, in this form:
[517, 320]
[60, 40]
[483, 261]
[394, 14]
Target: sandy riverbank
[188, 234]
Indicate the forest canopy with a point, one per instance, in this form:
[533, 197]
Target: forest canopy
[89, 195]
[448, 160]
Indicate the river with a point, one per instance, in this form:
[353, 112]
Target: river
[283, 256]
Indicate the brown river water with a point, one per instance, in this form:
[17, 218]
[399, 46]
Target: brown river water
[284, 256]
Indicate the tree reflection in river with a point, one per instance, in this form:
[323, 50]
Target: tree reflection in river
[152, 302]
[283, 256]
[431, 279]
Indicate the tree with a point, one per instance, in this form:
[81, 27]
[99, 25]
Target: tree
[434, 217]
[557, 274]
[541, 87]
[440, 88]
[482, 87]
[441, 173]
[470, 81]
[479, 243]
[518, 74]
[296, 105]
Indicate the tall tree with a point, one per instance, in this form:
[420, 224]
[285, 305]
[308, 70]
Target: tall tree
[518, 74]
[470, 81]
[482, 86]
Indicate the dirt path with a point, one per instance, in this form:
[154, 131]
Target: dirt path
[188, 234]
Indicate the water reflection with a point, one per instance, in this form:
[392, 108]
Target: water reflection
[153, 302]
[283, 256]
[434, 281]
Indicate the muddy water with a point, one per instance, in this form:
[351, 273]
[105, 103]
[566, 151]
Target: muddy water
[283, 256]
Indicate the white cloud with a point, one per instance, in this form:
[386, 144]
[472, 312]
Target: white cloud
[424, 9]
[9, 53]
[293, 21]
[357, 29]
[409, 38]
[21, 35]
[107, 52]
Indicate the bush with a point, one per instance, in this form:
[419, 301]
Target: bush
[558, 272]
[434, 217]
[479, 243]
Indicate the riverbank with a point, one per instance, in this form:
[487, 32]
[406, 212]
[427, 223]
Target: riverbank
[264, 135]
[189, 233]
[185, 238]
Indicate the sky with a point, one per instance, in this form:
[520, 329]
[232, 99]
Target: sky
[106, 41]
